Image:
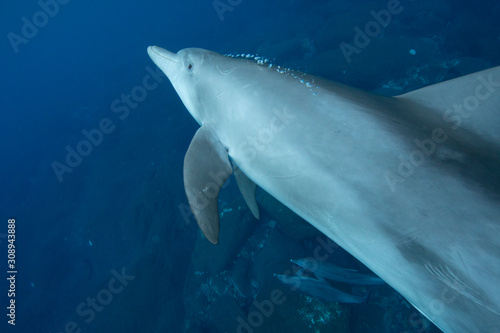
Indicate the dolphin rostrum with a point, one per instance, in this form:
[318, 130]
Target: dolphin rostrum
[409, 185]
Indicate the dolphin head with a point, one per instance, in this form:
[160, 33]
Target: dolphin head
[197, 76]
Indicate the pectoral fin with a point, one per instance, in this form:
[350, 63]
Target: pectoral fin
[206, 169]
[247, 189]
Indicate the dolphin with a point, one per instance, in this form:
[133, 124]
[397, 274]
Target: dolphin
[329, 271]
[319, 289]
[409, 185]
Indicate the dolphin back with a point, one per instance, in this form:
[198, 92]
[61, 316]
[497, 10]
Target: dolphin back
[468, 108]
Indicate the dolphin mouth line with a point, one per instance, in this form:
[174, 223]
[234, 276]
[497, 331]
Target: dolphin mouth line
[157, 51]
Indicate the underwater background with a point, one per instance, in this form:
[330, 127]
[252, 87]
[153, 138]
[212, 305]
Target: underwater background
[93, 138]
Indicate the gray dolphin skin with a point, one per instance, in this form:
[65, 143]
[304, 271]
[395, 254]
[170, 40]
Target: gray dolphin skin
[327, 270]
[319, 289]
[409, 185]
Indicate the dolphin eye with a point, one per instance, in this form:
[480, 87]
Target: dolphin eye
[190, 67]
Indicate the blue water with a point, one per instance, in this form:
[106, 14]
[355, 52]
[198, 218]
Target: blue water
[104, 240]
